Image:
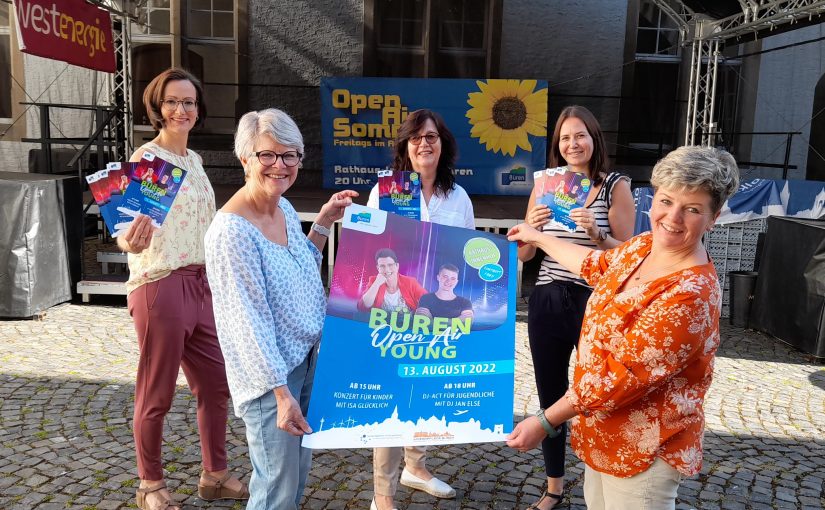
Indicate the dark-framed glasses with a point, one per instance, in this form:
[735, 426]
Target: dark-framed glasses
[189, 105]
[430, 137]
[269, 158]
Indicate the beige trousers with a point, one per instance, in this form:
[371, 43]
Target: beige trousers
[653, 489]
[386, 463]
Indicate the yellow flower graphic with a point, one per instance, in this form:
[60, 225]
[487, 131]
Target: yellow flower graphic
[505, 112]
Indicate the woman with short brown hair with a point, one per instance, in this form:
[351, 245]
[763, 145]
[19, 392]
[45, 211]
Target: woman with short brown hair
[171, 303]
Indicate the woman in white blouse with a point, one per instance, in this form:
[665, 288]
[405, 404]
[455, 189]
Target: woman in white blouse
[425, 145]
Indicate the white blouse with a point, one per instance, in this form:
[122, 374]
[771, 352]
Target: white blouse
[454, 210]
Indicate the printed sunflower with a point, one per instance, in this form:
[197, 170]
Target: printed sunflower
[505, 112]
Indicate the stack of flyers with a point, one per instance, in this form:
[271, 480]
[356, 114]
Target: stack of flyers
[561, 190]
[400, 193]
[124, 190]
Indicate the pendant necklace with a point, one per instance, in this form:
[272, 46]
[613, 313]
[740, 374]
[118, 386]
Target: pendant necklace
[639, 269]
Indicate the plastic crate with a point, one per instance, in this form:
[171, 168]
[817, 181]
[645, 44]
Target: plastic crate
[748, 252]
[733, 248]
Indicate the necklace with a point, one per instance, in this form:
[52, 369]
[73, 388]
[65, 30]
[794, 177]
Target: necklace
[639, 269]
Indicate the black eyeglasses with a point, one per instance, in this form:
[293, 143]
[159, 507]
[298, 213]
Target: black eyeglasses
[430, 137]
[269, 158]
[189, 105]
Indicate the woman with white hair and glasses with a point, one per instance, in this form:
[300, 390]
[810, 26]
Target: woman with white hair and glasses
[648, 341]
[269, 303]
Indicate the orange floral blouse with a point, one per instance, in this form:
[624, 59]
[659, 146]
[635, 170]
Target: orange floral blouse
[644, 364]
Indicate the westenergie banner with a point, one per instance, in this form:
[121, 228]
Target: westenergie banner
[418, 344]
[500, 126]
[72, 31]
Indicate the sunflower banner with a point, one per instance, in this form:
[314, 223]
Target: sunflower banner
[500, 127]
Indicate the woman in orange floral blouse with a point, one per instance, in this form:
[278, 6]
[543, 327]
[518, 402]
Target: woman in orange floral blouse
[648, 341]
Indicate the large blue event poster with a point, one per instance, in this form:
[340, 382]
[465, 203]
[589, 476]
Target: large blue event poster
[396, 378]
[500, 127]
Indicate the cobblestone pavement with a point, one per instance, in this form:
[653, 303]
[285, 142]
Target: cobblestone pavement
[66, 395]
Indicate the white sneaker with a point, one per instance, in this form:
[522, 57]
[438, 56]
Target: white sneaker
[373, 506]
[434, 486]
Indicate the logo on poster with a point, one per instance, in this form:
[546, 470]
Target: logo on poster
[416, 336]
[517, 175]
[362, 217]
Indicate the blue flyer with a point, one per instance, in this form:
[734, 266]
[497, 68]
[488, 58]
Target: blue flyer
[561, 190]
[418, 345]
[153, 187]
[400, 193]
[124, 190]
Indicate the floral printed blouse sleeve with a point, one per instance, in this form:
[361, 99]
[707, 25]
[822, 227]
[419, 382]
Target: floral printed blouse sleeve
[242, 314]
[595, 264]
[624, 364]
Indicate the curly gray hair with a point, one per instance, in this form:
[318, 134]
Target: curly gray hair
[272, 122]
[695, 167]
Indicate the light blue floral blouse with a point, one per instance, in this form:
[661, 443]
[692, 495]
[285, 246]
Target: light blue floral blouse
[268, 300]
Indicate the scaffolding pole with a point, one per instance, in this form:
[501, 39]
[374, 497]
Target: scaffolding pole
[700, 123]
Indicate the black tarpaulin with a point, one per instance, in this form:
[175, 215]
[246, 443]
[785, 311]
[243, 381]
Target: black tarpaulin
[789, 302]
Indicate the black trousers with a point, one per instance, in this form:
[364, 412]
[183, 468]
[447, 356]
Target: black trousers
[554, 323]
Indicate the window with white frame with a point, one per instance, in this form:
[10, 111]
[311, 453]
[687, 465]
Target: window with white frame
[211, 19]
[657, 36]
[198, 35]
[154, 18]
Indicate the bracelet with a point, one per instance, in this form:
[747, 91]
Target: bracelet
[545, 424]
[324, 231]
[601, 235]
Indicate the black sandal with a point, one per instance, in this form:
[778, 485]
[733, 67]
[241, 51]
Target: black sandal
[548, 494]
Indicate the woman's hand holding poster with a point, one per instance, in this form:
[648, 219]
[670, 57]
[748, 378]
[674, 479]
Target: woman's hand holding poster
[418, 345]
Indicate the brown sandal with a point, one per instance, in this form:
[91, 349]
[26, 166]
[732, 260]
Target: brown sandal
[140, 497]
[218, 490]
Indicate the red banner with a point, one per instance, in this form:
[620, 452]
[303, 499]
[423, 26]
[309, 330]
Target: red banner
[69, 30]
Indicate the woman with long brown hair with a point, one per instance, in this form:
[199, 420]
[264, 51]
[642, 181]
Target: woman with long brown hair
[557, 304]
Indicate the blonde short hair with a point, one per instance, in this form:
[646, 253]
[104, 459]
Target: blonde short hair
[696, 167]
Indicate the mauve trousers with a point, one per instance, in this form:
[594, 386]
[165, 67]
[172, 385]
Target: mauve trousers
[176, 328]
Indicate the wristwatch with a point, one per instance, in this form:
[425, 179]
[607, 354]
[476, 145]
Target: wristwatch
[545, 424]
[601, 235]
[324, 231]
